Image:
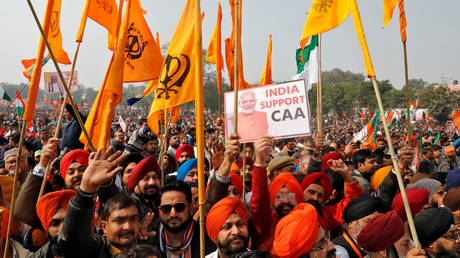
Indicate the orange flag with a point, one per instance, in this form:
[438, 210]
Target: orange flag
[55, 37]
[178, 75]
[35, 79]
[456, 118]
[266, 77]
[230, 49]
[105, 13]
[325, 17]
[214, 54]
[152, 84]
[99, 121]
[388, 10]
[143, 61]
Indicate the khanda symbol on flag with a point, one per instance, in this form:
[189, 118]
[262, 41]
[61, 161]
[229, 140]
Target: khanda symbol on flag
[170, 73]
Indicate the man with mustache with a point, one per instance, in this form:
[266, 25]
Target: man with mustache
[144, 184]
[227, 226]
[317, 190]
[179, 234]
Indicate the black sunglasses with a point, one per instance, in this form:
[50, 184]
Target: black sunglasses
[178, 207]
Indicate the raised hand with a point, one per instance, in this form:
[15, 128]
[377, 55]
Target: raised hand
[100, 169]
[49, 152]
[144, 234]
[262, 148]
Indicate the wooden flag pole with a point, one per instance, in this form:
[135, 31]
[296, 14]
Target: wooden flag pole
[319, 97]
[410, 218]
[407, 93]
[235, 76]
[59, 123]
[199, 115]
[164, 147]
[64, 84]
[15, 182]
[243, 176]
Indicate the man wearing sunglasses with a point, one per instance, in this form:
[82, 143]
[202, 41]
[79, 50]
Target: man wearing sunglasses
[179, 235]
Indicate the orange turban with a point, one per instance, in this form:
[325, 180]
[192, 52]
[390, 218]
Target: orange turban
[49, 204]
[234, 167]
[296, 233]
[288, 181]
[5, 218]
[78, 155]
[235, 179]
[220, 212]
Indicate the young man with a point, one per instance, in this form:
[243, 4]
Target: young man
[179, 234]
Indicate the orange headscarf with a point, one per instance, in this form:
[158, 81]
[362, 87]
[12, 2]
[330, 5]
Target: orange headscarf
[288, 181]
[49, 204]
[220, 212]
[296, 233]
[235, 179]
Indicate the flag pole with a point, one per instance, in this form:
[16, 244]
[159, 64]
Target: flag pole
[244, 174]
[59, 123]
[200, 123]
[64, 84]
[407, 92]
[402, 189]
[319, 97]
[164, 147]
[15, 182]
[236, 75]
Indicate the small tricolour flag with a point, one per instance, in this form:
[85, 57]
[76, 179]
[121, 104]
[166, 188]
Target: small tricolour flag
[19, 104]
[308, 69]
[4, 95]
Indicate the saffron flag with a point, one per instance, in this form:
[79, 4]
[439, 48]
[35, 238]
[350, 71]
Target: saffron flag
[55, 37]
[29, 66]
[99, 121]
[388, 10]
[456, 118]
[35, 79]
[266, 77]
[105, 13]
[230, 44]
[214, 54]
[143, 61]
[179, 71]
[327, 15]
[46, 100]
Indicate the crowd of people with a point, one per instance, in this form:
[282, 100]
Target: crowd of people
[312, 196]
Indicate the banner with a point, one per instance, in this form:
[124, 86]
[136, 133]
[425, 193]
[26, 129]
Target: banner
[53, 83]
[279, 110]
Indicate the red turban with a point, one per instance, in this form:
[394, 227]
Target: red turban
[296, 233]
[49, 204]
[323, 178]
[330, 156]
[187, 148]
[286, 180]
[147, 165]
[78, 155]
[249, 162]
[5, 218]
[417, 199]
[235, 179]
[382, 232]
[220, 212]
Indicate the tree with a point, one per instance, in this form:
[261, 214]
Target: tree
[417, 83]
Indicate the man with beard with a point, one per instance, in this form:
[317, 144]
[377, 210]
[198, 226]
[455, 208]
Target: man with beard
[51, 210]
[118, 141]
[318, 190]
[299, 235]
[435, 188]
[437, 233]
[179, 234]
[357, 214]
[174, 143]
[144, 184]
[128, 163]
[184, 153]
[227, 226]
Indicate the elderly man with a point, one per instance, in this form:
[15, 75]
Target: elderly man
[227, 227]
[11, 157]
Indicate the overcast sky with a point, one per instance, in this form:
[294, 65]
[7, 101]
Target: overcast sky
[432, 32]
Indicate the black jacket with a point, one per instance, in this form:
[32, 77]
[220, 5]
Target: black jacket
[70, 132]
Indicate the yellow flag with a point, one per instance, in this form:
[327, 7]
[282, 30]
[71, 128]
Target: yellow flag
[388, 10]
[177, 77]
[214, 54]
[326, 15]
[266, 77]
[55, 37]
[105, 13]
[35, 80]
[99, 121]
[230, 44]
[143, 61]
